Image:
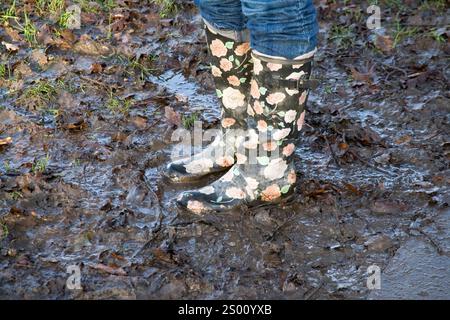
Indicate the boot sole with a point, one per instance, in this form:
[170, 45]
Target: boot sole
[282, 201]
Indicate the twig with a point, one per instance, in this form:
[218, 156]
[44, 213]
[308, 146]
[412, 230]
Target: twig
[281, 226]
[371, 165]
[332, 152]
[157, 228]
[436, 245]
[95, 82]
[314, 291]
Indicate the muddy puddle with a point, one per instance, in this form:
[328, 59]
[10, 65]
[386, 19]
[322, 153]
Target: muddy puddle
[80, 183]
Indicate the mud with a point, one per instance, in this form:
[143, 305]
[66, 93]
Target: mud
[80, 179]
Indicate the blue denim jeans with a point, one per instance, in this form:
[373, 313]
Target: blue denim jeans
[282, 28]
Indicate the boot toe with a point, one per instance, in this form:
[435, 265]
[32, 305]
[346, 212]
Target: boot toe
[194, 202]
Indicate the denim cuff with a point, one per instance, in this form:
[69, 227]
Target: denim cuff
[307, 55]
[238, 36]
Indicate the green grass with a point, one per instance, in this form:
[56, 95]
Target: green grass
[15, 195]
[10, 13]
[4, 230]
[40, 165]
[188, 121]
[438, 5]
[41, 94]
[142, 66]
[86, 6]
[64, 19]
[29, 30]
[401, 32]
[7, 166]
[342, 36]
[396, 4]
[5, 71]
[117, 105]
[167, 7]
[436, 36]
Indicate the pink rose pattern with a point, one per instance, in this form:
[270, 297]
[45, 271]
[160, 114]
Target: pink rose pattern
[276, 115]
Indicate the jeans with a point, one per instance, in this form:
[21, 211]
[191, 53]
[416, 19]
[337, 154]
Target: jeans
[281, 28]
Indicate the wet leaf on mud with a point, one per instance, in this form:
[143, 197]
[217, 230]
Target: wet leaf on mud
[384, 43]
[39, 57]
[361, 77]
[351, 188]
[387, 207]
[96, 68]
[403, 139]
[111, 270]
[89, 47]
[140, 122]
[172, 116]
[13, 34]
[10, 46]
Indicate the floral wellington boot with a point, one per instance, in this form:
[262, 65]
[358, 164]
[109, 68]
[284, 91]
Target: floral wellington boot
[264, 171]
[232, 69]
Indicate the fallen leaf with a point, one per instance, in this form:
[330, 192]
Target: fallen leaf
[96, 68]
[140, 122]
[361, 77]
[10, 47]
[351, 188]
[403, 139]
[39, 57]
[172, 116]
[384, 43]
[13, 34]
[387, 207]
[343, 146]
[111, 270]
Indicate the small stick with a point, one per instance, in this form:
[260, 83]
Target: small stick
[332, 152]
[370, 165]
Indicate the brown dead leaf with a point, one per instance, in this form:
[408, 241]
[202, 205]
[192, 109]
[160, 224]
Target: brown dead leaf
[352, 188]
[140, 122]
[172, 116]
[90, 47]
[384, 43]
[111, 270]
[96, 68]
[387, 207]
[10, 46]
[22, 70]
[13, 34]
[68, 35]
[361, 77]
[343, 146]
[39, 57]
[162, 255]
[403, 139]
[44, 35]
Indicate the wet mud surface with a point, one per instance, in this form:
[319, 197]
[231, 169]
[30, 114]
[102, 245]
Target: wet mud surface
[86, 118]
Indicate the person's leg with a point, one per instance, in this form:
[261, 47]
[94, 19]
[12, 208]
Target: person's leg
[281, 28]
[231, 66]
[284, 34]
[223, 14]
